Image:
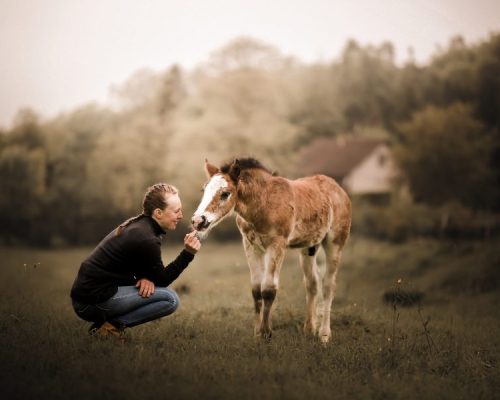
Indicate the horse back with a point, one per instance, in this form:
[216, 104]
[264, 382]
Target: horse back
[321, 205]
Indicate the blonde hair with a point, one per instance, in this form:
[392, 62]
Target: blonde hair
[156, 196]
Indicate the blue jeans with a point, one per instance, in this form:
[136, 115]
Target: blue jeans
[127, 308]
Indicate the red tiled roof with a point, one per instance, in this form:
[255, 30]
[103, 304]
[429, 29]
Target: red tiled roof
[335, 157]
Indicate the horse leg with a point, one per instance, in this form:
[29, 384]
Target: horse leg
[269, 286]
[333, 253]
[255, 259]
[310, 269]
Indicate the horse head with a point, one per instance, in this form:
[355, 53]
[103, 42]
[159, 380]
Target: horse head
[219, 198]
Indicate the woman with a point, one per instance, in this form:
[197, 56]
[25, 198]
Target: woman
[123, 283]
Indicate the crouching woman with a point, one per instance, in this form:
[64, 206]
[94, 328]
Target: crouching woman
[123, 283]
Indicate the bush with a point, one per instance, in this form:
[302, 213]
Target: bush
[402, 220]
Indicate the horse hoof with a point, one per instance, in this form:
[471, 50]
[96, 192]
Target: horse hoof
[263, 335]
[266, 334]
[324, 339]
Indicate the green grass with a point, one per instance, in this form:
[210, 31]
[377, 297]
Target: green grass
[448, 348]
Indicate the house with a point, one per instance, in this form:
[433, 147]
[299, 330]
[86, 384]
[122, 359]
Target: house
[363, 166]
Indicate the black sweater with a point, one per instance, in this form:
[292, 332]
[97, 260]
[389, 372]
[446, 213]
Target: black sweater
[123, 260]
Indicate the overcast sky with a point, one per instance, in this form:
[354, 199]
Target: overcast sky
[58, 54]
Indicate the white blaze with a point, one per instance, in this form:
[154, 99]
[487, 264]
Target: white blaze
[213, 186]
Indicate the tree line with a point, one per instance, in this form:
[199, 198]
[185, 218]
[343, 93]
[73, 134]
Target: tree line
[69, 179]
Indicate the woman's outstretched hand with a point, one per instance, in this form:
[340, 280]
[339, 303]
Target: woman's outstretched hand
[192, 243]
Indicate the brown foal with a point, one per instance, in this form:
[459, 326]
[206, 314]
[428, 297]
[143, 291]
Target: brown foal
[274, 213]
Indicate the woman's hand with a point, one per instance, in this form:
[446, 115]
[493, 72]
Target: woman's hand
[192, 243]
[146, 287]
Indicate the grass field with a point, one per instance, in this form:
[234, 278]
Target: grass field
[447, 347]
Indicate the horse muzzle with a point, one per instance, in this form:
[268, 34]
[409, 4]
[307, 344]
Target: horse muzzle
[200, 222]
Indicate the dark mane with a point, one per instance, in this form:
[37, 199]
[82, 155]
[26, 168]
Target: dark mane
[245, 163]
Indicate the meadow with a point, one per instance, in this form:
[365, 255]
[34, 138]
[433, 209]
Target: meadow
[445, 345]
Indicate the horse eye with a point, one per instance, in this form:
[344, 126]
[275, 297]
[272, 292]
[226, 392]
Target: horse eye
[224, 195]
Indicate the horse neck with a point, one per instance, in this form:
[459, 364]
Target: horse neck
[251, 189]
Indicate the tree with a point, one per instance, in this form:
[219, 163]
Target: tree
[245, 53]
[488, 96]
[445, 155]
[140, 88]
[366, 79]
[22, 173]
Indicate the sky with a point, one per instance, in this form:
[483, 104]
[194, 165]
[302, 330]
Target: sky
[56, 55]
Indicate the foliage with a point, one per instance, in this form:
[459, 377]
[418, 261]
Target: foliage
[405, 219]
[70, 179]
[446, 155]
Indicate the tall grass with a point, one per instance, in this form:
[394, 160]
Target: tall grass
[446, 348]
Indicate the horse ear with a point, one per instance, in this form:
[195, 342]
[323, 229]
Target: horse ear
[210, 169]
[234, 170]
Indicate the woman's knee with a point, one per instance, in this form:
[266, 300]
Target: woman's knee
[176, 302]
[169, 296]
[164, 307]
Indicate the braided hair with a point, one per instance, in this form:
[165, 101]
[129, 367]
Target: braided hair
[155, 197]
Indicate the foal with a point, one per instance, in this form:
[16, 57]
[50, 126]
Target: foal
[274, 213]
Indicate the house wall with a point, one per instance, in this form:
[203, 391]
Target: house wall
[374, 174]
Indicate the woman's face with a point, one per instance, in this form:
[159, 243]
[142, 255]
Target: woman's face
[169, 217]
